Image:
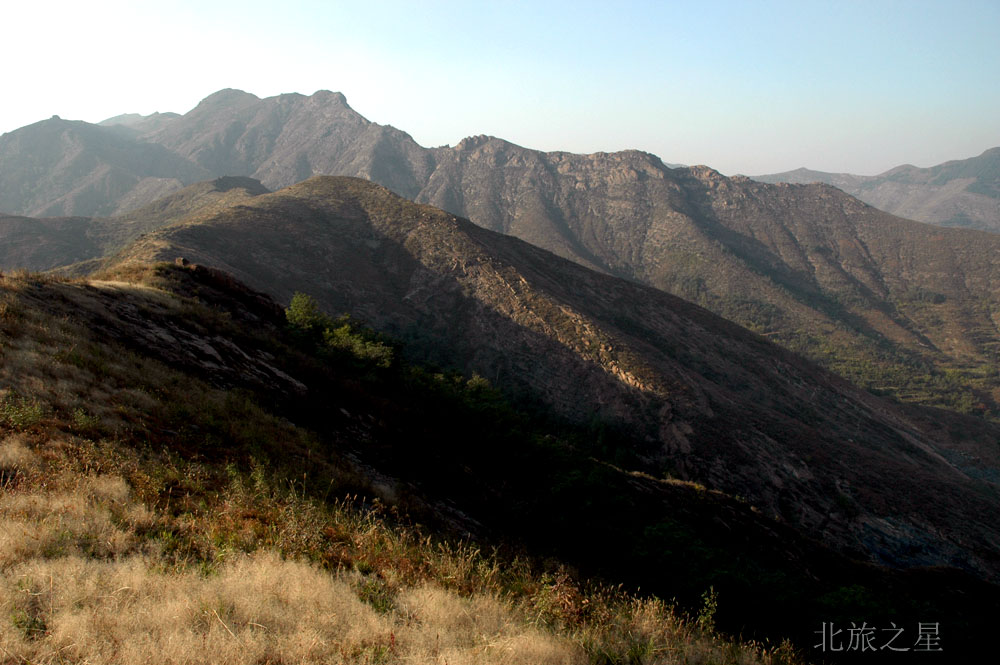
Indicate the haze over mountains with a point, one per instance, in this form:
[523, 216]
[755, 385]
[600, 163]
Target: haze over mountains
[963, 192]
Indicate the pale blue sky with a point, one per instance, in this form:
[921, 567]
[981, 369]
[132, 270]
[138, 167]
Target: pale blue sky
[745, 87]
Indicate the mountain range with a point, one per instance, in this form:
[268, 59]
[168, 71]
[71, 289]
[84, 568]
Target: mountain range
[964, 192]
[164, 422]
[651, 317]
[901, 308]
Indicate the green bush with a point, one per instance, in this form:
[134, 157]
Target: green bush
[339, 336]
[20, 412]
[303, 314]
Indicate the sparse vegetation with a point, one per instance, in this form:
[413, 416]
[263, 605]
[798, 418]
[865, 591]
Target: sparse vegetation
[20, 412]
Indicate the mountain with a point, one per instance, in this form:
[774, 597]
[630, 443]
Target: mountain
[140, 124]
[663, 391]
[282, 140]
[900, 307]
[809, 266]
[69, 168]
[675, 389]
[199, 446]
[964, 192]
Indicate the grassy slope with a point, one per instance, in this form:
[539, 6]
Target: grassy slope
[147, 511]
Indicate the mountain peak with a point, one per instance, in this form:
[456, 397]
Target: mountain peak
[227, 96]
[331, 97]
[703, 172]
[478, 141]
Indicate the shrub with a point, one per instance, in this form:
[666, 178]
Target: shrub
[337, 337]
[304, 314]
[20, 412]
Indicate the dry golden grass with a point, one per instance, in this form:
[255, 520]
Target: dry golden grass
[79, 586]
[116, 549]
[257, 608]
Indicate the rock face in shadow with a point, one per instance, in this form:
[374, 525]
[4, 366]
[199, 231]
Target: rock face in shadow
[698, 397]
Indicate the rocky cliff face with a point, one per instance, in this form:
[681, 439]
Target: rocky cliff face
[283, 140]
[700, 397]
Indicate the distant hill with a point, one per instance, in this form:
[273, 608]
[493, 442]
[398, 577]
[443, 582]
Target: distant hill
[57, 168]
[78, 244]
[43, 244]
[140, 124]
[285, 139]
[964, 192]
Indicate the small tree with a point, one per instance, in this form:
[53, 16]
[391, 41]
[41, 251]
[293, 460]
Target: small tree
[304, 314]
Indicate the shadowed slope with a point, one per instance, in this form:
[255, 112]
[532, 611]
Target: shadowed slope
[170, 450]
[700, 397]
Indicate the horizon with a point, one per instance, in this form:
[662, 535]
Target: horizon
[749, 88]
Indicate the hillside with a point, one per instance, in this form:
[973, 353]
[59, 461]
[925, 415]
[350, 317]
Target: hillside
[962, 192]
[167, 482]
[77, 244]
[901, 308]
[168, 440]
[667, 387]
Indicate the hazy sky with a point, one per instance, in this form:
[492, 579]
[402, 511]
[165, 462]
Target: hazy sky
[745, 87]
